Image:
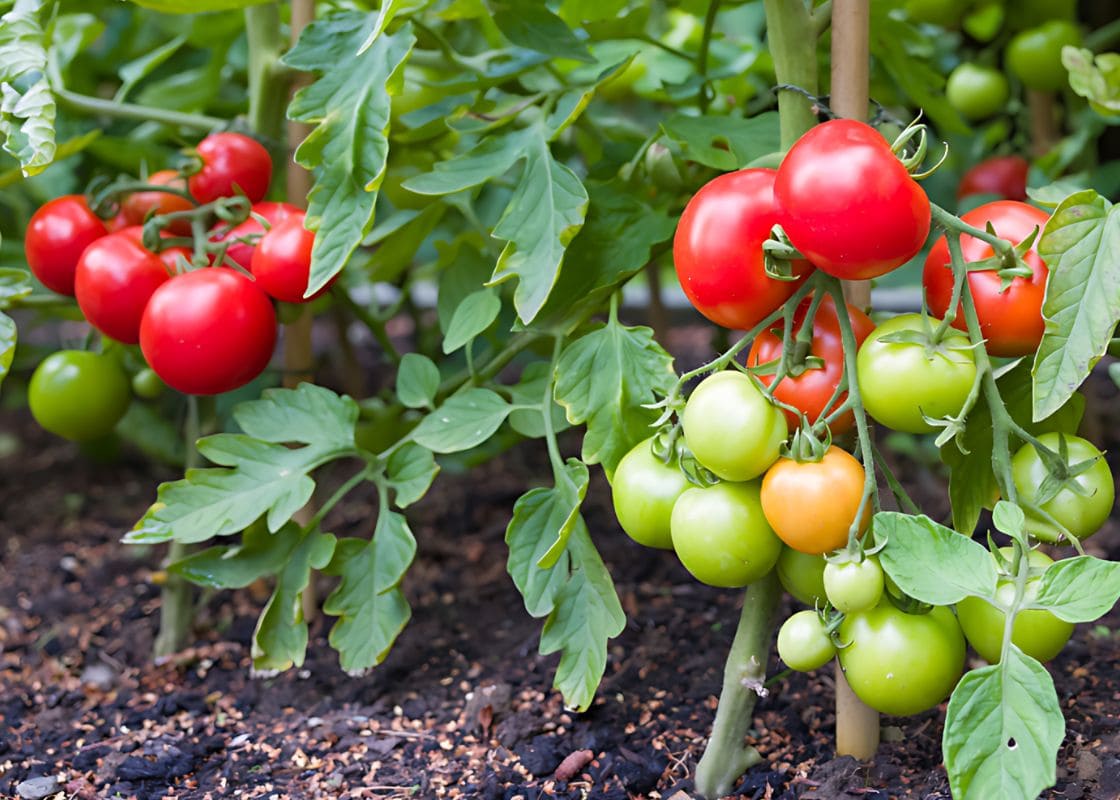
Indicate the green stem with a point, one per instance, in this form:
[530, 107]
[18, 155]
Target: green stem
[111, 108]
[365, 473]
[793, 45]
[727, 755]
[702, 54]
[375, 323]
[268, 81]
[951, 222]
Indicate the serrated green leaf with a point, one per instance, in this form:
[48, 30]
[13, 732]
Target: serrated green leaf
[467, 419]
[410, 471]
[349, 105]
[724, 143]
[1096, 78]
[530, 390]
[602, 380]
[196, 6]
[7, 344]
[1003, 730]
[136, 70]
[530, 24]
[308, 414]
[932, 563]
[1080, 589]
[586, 616]
[491, 158]
[475, 314]
[417, 380]
[371, 608]
[258, 555]
[27, 107]
[972, 483]
[1081, 246]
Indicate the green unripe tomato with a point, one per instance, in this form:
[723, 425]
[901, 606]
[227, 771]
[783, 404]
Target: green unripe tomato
[732, 427]
[1082, 514]
[854, 587]
[721, 535]
[802, 575]
[1037, 632]
[644, 490]
[1035, 55]
[803, 642]
[977, 92]
[147, 385]
[79, 395]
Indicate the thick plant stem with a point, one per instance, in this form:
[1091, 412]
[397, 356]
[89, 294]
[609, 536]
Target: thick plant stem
[176, 609]
[857, 725]
[268, 80]
[1045, 132]
[727, 755]
[791, 36]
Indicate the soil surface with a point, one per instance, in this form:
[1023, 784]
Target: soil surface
[462, 707]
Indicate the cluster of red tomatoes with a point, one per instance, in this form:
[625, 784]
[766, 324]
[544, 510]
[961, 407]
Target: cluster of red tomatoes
[851, 208]
[203, 315]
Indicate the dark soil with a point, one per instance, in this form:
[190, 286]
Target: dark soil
[462, 707]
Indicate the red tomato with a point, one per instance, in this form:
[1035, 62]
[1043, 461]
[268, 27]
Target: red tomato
[1002, 175]
[119, 222]
[241, 253]
[282, 263]
[113, 282]
[138, 205]
[1011, 319]
[847, 202]
[812, 389]
[208, 331]
[718, 250]
[232, 164]
[56, 236]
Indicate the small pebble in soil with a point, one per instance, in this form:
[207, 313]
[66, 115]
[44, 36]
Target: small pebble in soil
[37, 788]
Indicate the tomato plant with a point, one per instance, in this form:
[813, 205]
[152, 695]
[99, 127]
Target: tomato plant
[56, 235]
[137, 206]
[114, 280]
[1034, 56]
[802, 575]
[853, 586]
[231, 163]
[644, 490]
[78, 395]
[804, 643]
[1005, 176]
[977, 92]
[281, 263]
[1079, 501]
[243, 238]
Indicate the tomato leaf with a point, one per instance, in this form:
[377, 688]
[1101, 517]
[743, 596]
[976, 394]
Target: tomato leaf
[474, 315]
[1003, 730]
[1080, 589]
[603, 379]
[1081, 246]
[264, 475]
[14, 284]
[411, 470]
[417, 381]
[136, 70]
[932, 563]
[1096, 78]
[370, 606]
[972, 483]
[196, 6]
[467, 419]
[349, 105]
[530, 392]
[27, 107]
[530, 24]
[7, 344]
[721, 142]
[586, 616]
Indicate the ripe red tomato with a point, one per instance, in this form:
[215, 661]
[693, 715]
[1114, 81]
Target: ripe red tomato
[1011, 318]
[56, 236]
[113, 282]
[848, 204]
[241, 253]
[1002, 175]
[208, 331]
[138, 205]
[282, 263]
[232, 164]
[812, 389]
[718, 250]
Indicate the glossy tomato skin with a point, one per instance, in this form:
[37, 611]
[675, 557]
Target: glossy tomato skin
[731, 427]
[812, 390]
[802, 575]
[115, 279]
[852, 586]
[56, 236]
[241, 253]
[977, 92]
[282, 261]
[1036, 632]
[644, 490]
[717, 250]
[803, 642]
[232, 164]
[848, 204]
[901, 663]
[721, 535]
[1010, 319]
[811, 504]
[1035, 55]
[208, 331]
[1081, 514]
[78, 395]
[138, 205]
[1005, 176]
[900, 381]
